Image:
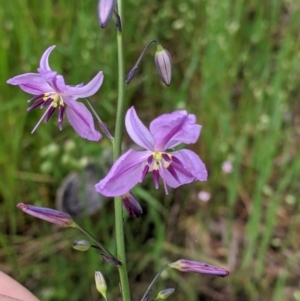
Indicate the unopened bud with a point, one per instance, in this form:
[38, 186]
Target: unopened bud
[81, 245]
[105, 11]
[185, 265]
[163, 62]
[101, 284]
[131, 205]
[50, 215]
[164, 294]
[131, 74]
[111, 260]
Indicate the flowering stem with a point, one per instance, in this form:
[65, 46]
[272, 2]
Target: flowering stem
[106, 253]
[133, 71]
[144, 50]
[154, 280]
[101, 124]
[120, 240]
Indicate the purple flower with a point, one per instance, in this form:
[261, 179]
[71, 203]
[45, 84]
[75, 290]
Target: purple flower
[51, 92]
[50, 215]
[185, 265]
[175, 168]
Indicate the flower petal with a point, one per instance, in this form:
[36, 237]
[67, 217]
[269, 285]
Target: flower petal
[124, 174]
[169, 130]
[31, 83]
[105, 11]
[185, 265]
[137, 130]
[193, 169]
[45, 71]
[50, 215]
[81, 120]
[44, 62]
[80, 91]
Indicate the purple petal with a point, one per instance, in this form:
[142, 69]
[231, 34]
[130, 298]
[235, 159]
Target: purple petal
[191, 169]
[44, 69]
[137, 131]
[81, 120]
[105, 11]
[50, 112]
[36, 104]
[47, 75]
[53, 216]
[169, 130]
[46, 103]
[44, 62]
[191, 266]
[155, 174]
[124, 174]
[80, 91]
[31, 83]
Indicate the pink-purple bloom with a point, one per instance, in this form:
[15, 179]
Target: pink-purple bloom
[52, 93]
[176, 167]
[185, 265]
[50, 215]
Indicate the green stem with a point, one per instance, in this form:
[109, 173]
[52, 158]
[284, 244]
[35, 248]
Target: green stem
[133, 71]
[111, 258]
[153, 281]
[143, 52]
[119, 230]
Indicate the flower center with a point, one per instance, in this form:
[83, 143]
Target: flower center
[51, 101]
[160, 159]
[54, 99]
[160, 163]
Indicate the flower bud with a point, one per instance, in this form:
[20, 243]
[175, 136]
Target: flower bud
[131, 74]
[165, 293]
[185, 265]
[111, 260]
[163, 62]
[81, 245]
[105, 11]
[131, 205]
[101, 284]
[50, 215]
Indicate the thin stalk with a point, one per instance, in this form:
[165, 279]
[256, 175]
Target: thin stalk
[143, 52]
[154, 280]
[119, 231]
[133, 71]
[106, 254]
[101, 124]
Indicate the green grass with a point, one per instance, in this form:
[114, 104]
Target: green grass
[236, 66]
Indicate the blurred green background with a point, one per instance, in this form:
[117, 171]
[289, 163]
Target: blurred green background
[236, 66]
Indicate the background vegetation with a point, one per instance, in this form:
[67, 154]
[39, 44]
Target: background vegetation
[236, 66]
